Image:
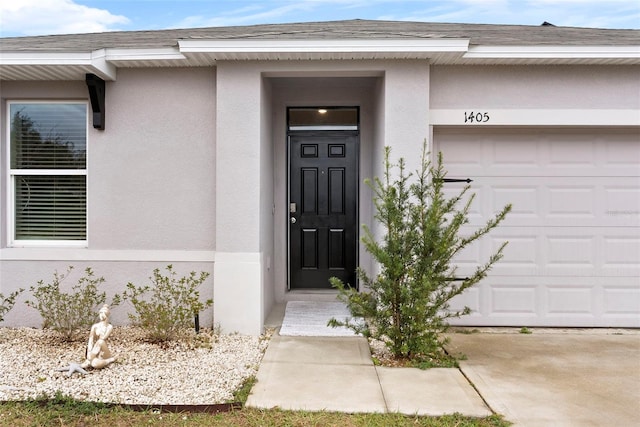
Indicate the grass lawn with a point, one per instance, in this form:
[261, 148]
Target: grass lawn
[67, 412]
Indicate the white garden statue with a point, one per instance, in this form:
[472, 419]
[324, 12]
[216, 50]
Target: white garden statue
[98, 353]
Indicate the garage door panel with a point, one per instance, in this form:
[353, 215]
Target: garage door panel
[622, 204]
[471, 298]
[524, 197]
[576, 151]
[574, 231]
[620, 250]
[571, 300]
[622, 301]
[551, 301]
[571, 252]
[477, 172]
[559, 251]
[515, 300]
[603, 153]
[619, 254]
[505, 154]
[522, 253]
[476, 210]
[617, 151]
[470, 256]
[575, 201]
[499, 300]
[536, 201]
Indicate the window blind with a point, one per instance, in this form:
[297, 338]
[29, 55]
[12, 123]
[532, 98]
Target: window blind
[50, 207]
[48, 168]
[48, 136]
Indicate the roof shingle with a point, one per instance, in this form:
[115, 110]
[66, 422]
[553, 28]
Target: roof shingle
[478, 34]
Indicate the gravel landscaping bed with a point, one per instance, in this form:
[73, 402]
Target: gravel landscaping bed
[204, 369]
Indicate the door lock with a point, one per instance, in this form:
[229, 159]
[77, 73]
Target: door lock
[293, 220]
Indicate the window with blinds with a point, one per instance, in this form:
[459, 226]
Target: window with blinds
[48, 171]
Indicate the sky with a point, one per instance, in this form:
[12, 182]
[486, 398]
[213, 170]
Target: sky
[42, 17]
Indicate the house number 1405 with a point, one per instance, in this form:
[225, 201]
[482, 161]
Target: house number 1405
[473, 117]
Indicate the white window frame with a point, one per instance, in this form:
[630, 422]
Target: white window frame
[12, 242]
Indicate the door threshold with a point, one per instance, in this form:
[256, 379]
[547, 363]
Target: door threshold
[311, 295]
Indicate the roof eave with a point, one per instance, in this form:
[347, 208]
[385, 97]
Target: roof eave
[55, 65]
[193, 53]
[555, 52]
[323, 46]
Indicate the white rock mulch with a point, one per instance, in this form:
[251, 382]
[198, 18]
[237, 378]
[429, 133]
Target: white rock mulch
[203, 370]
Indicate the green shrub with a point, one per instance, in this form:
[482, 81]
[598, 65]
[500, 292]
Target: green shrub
[406, 305]
[6, 304]
[171, 305]
[69, 313]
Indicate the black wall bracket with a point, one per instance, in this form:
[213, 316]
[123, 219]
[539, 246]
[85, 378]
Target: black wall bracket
[96, 93]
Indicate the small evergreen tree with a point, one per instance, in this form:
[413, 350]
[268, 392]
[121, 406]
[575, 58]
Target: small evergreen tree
[406, 305]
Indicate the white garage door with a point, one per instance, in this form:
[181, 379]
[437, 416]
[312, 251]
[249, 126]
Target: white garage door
[573, 257]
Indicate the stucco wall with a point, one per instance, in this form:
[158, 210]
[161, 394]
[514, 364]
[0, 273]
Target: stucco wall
[144, 210]
[26, 273]
[239, 273]
[406, 110]
[402, 108]
[267, 203]
[152, 171]
[156, 190]
[544, 87]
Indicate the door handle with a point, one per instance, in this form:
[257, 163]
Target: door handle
[293, 220]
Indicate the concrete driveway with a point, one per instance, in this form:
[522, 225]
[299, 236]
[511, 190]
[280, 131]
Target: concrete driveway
[556, 377]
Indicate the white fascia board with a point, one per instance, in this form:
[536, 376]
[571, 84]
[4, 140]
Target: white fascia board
[100, 62]
[45, 58]
[103, 61]
[95, 60]
[505, 52]
[156, 54]
[324, 46]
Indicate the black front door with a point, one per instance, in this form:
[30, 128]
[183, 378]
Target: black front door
[323, 201]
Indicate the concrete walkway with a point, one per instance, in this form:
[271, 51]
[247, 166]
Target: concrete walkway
[549, 378]
[337, 374]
